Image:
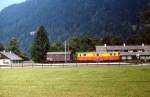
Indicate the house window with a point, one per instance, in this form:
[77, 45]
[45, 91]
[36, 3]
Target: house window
[130, 51]
[140, 51]
[124, 58]
[129, 57]
[5, 61]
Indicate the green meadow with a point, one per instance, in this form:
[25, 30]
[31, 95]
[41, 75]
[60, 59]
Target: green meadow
[96, 81]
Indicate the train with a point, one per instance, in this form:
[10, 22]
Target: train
[56, 57]
[98, 57]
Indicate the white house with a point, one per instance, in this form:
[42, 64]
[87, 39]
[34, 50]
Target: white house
[8, 58]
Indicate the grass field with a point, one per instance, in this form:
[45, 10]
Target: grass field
[102, 81]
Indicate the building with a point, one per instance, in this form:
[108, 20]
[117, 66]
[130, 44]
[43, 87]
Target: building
[58, 56]
[130, 52]
[7, 58]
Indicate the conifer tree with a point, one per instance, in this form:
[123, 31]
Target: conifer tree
[40, 46]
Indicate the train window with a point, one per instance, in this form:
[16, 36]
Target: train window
[114, 54]
[97, 54]
[80, 55]
[84, 55]
[110, 54]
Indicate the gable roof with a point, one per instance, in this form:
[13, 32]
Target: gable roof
[134, 53]
[11, 56]
[131, 47]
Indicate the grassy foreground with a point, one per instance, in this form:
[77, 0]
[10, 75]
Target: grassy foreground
[103, 81]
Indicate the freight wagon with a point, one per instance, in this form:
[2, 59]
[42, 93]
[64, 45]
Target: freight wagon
[55, 57]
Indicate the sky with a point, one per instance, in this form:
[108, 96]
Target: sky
[5, 3]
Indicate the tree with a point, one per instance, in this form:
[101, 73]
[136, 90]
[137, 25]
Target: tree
[112, 40]
[1, 47]
[13, 45]
[106, 40]
[116, 40]
[56, 47]
[84, 43]
[40, 46]
[145, 21]
[134, 39]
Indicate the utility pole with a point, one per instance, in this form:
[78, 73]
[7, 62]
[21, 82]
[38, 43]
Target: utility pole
[65, 51]
[68, 45]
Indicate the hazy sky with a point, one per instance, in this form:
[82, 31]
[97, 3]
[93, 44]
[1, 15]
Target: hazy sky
[5, 3]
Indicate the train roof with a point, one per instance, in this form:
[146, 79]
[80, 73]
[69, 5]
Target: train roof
[96, 52]
[58, 53]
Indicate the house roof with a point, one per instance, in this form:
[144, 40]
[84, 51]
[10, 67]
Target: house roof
[131, 47]
[134, 53]
[59, 53]
[11, 56]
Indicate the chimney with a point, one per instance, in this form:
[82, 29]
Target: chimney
[105, 45]
[124, 44]
[143, 44]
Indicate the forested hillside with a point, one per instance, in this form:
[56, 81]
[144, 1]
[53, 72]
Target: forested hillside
[67, 18]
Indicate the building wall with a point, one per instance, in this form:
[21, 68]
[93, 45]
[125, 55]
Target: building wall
[145, 58]
[5, 62]
[9, 62]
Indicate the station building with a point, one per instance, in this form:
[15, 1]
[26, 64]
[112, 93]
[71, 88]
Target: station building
[128, 52]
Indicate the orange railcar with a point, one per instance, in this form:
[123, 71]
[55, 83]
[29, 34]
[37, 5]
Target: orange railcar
[95, 56]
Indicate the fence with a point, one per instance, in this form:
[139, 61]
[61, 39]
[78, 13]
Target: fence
[33, 65]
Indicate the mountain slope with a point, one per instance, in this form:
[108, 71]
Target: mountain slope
[64, 18]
